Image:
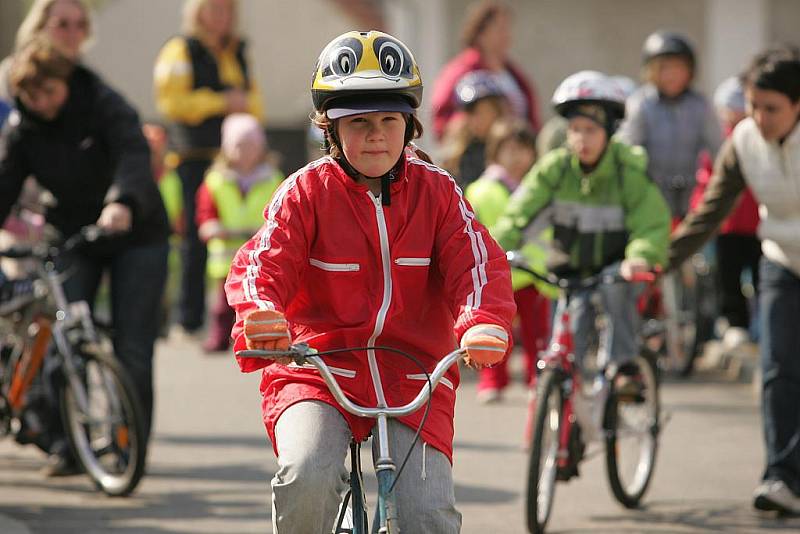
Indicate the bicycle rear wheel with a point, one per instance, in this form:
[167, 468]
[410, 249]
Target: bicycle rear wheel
[632, 426]
[544, 451]
[108, 436]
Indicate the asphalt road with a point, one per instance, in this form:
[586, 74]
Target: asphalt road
[210, 465]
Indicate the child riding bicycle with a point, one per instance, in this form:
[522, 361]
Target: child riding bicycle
[606, 213]
[366, 246]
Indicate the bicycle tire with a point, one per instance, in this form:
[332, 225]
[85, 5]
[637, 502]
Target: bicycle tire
[108, 442]
[549, 411]
[629, 493]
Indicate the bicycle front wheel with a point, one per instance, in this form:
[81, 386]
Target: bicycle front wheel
[107, 435]
[632, 426]
[544, 451]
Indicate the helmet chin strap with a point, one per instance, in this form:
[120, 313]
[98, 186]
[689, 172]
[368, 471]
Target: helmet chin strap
[385, 179]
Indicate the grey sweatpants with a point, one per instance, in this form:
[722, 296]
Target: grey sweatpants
[312, 441]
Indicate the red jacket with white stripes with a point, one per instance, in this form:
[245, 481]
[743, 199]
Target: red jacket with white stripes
[349, 272]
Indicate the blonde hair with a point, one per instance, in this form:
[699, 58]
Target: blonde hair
[192, 26]
[37, 16]
[38, 61]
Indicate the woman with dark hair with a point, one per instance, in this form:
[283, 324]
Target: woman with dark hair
[83, 142]
[763, 152]
[487, 40]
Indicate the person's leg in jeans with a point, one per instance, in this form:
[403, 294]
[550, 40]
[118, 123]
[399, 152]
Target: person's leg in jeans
[191, 301]
[731, 260]
[312, 439]
[582, 315]
[780, 364]
[619, 339]
[138, 275]
[426, 499]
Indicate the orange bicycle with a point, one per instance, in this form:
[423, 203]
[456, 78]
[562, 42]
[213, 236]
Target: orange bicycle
[99, 409]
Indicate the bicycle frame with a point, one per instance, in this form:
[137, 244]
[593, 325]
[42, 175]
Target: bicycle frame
[385, 467]
[58, 320]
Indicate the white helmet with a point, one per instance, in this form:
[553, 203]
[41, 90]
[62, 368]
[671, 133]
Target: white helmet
[589, 87]
[730, 95]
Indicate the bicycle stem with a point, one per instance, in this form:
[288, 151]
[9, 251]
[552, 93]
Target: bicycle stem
[385, 473]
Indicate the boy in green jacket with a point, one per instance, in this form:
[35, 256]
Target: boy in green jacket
[606, 213]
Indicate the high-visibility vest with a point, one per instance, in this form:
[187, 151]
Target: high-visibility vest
[489, 198]
[236, 213]
[171, 191]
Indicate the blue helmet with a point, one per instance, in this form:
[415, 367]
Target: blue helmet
[475, 86]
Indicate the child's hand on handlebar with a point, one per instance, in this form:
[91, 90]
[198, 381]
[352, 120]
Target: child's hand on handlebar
[268, 330]
[486, 344]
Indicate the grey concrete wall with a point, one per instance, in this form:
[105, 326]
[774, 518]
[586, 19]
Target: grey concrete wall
[784, 22]
[285, 38]
[11, 12]
[555, 38]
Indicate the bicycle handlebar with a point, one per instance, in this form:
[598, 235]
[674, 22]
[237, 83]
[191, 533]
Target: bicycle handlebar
[301, 353]
[517, 260]
[44, 251]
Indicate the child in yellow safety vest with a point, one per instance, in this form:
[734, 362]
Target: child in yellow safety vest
[169, 185]
[230, 205]
[510, 153]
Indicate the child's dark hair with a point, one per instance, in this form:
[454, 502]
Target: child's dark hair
[776, 69]
[321, 121]
[503, 131]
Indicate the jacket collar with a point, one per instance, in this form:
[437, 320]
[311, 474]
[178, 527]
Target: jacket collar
[605, 167]
[400, 175]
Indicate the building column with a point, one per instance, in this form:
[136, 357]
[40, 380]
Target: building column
[423, 26]
[735, 32]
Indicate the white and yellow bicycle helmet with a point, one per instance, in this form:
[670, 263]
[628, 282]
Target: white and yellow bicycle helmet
[356, 64]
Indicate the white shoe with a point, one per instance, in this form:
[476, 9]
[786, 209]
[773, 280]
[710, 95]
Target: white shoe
[775, 496]
[735, 337]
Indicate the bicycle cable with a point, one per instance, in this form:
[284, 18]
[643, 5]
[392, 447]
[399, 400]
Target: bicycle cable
[427, 403]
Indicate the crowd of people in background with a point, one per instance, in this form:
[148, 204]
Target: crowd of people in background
[661, 156]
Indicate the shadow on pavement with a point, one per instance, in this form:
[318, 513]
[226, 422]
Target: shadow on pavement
[215, 473]
[725, 516]
[139, 511]
[258, 442]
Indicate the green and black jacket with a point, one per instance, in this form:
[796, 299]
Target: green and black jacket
[612, 213]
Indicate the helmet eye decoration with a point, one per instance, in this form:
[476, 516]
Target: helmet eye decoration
[343, 58]
[393, 58]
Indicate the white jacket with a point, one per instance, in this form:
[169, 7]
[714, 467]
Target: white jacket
[772, 171]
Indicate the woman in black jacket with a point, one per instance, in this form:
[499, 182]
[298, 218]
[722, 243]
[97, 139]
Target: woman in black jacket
[82, 142]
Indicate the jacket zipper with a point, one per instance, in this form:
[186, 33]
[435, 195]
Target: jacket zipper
[387, 299]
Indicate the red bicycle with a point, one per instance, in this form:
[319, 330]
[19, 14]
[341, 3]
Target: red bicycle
[570, 416]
